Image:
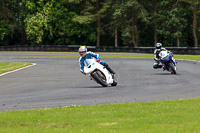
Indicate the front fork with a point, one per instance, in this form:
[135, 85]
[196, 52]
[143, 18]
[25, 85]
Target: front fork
[174, 61]
[165, 65]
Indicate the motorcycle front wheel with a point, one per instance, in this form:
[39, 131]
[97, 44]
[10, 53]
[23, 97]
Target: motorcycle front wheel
[99, 79]
[171, 66]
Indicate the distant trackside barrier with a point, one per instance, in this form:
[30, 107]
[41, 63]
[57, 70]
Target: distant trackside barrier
[74, 48]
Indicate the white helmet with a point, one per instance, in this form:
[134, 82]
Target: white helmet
[158, 45]
[82, 51]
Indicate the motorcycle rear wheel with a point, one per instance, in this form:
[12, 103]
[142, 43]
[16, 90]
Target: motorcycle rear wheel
[114, 82]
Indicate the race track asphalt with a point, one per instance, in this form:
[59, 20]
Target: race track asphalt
[58, 83]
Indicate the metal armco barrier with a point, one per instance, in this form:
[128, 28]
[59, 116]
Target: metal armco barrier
[74, 48]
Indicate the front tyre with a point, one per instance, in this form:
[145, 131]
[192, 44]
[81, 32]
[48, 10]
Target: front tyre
[171, 66]
[99, 80]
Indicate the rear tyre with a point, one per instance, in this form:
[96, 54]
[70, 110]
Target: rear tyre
[99, 80]
[171, 66]
[114, 83]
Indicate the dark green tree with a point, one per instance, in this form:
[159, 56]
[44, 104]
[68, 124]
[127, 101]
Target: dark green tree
[172, 22]
[152, 8]
[132, 11]
[11, 28]
[93, 11]
[52, 23]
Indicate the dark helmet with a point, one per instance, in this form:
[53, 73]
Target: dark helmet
[158, 45]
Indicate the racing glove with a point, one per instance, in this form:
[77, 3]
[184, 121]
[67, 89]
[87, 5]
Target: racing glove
[98, 60]
[156, 59]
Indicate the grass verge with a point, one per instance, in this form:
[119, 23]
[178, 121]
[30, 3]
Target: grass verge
[9, 66]
[188, 57]
[174, 116]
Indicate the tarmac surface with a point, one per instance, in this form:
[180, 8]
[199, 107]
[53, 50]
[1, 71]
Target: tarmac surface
[58, 83]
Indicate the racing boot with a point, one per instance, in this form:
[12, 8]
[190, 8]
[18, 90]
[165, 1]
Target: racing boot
[164, 67]
[156, 65]
[109, 69]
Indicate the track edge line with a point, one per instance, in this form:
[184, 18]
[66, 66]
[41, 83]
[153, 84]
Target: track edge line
[33, 64]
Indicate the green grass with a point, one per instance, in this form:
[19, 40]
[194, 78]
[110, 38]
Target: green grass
[178, 116]
[188, 57]
[9, 66]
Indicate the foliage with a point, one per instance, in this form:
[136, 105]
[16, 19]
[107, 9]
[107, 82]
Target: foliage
[53, 22]
[67, 31]
[4, 29]
[76, 22]
[172, 22]
[10, 22]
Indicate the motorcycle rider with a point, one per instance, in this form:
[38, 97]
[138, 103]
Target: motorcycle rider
[89, 55]
[157, 51]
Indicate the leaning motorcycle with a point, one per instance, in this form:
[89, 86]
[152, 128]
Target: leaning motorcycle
[99, 73]
[168, 61]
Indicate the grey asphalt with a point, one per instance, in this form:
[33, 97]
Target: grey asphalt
[58, 83]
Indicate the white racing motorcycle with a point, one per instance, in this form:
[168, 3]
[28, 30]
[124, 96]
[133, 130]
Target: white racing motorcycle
[99, 73]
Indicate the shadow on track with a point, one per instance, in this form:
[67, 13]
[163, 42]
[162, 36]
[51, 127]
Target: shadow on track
[165, 74]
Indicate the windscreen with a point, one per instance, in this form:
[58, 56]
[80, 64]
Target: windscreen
[88, 62]
[164, 55]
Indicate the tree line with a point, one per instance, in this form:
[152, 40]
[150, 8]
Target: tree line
[137, 23]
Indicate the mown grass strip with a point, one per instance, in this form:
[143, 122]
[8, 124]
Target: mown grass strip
[188, 57]
[10, 66]
[180, 116]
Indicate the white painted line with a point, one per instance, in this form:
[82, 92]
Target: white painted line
[33, 64]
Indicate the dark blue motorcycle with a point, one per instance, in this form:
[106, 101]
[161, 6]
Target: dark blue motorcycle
[168, 62]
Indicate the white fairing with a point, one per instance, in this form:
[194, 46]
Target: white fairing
[163, 54]
[91, 65]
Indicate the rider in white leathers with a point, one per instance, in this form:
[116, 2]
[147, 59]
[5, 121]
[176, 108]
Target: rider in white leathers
[158, 49]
